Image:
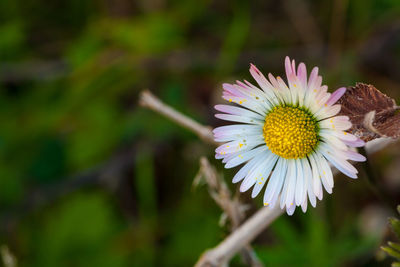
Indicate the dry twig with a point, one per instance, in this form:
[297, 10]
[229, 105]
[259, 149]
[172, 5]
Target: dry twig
[148, 100]
[231, 206]
[221, 254]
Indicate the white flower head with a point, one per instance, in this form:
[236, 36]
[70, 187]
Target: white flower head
[285, 135]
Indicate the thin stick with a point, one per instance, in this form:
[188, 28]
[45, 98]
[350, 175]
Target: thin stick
[233, 209]
[147, 99]
[222, 253]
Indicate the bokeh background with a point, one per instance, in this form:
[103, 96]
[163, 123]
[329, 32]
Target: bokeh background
[89, 178]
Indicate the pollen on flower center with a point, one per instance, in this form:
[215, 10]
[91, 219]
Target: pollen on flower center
[290, 132]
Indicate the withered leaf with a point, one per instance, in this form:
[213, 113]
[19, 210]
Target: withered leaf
[372, 113]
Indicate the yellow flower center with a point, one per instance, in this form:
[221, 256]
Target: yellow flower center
[290, 132]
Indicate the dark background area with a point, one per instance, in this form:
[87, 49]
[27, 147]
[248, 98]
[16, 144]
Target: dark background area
[89, 178]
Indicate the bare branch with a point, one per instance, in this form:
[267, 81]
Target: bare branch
[147, 99]
[222, 253]
[232, 208]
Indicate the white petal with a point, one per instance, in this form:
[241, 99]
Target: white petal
[256, 172]
[239, 159]
[264, 84]
[289, 196]
[275, 183]
[237, 129]
[337, 123]
[333, 141]
[259, 106]
[236, 118]
[322, 172]
[341, 164]
[290, 170]
[326, 172]
[239, 111]
[309, 182]
[356, 143]
[352, 155]
[290, 209]
[230, 138]
[339, 134]
[264, 177]
[246, 168]
[304, 205]
[253, 95]
[239, 145]
[327, 112]
[282, 89]
[317, 186]
[293, 90]
[300, 186]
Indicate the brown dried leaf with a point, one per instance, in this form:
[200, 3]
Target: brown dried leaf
[372, 113]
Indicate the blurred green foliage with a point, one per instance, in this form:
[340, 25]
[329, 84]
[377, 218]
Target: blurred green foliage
[70, 74]
[314, 244]
[82, 231]
[393, 248]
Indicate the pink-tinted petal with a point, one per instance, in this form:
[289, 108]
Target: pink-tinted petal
[341, 164]
[236, 118]
[302, 74]
[290, 209]
[356, 143]
[341, 123]
[354, 156]
[313, 77]
[336, 96]
[238, 111]
[288, 67]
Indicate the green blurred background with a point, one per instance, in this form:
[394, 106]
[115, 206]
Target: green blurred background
[89, 178]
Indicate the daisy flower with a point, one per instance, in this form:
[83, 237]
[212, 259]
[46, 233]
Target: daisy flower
[286, 135]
